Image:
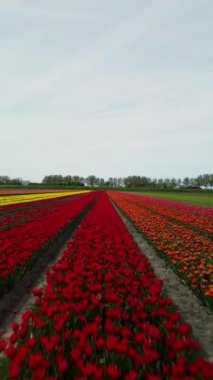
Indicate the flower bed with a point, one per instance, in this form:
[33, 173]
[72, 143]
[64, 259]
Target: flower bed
[103, 315]
[24, 214]
[178, 205]
[192, 217]
[189, 253]
[13, 202]
[20, 246]
[28, 191]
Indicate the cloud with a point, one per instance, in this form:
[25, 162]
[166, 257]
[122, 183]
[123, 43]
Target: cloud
[85, 60]
[27, 9]
[116, 96]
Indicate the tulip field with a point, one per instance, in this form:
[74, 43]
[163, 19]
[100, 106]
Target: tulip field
[182, 234]
[15, 199]
[102, 313]
[26, 235]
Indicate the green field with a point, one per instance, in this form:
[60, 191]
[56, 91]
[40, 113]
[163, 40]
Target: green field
[202, 199]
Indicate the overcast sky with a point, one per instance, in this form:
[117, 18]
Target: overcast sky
[106, 87]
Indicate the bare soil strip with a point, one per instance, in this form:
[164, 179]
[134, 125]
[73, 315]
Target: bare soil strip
[19, 298]
[192, 311]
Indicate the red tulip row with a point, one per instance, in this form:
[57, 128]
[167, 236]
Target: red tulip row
[103, 315]
[189, 253]
[25, 214]
[20, 245]
[189, 218]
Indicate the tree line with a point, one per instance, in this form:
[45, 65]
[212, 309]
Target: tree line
[133, 181]
[6, 180]
[129, 182]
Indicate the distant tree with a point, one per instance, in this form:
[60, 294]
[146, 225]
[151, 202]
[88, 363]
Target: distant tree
[173, 183]
[153, 182]
[55, 179]
[97, 182]
[199, 180]
[186, 181]
[111, 182]
[59, 179]
[82, 180]
[141, 181]
[102, 182]
[90, 180]
[120, 182]
[192, 182]
[16, 181]
[160, 183]
[127, 182]
[4, 179]
[45, 180]
[132, 181]
[167, 183]
[135, 181]
[206, 179]
[179, 182]
[67, 180]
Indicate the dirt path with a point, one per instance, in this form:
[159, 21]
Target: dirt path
[192, 311]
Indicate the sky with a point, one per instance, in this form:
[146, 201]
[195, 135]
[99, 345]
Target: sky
[106, 87]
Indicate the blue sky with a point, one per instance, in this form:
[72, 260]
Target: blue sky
[110, 88]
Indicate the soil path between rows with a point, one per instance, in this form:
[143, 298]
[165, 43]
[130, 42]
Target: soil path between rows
[192, 311]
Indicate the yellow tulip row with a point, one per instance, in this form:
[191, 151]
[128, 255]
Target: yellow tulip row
[15, 199]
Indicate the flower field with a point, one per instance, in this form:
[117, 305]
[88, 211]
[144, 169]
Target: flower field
[194, 217]
[102, 315]
[6, 200]
[20, 245]
[22, 213]
[184, 247]
[28, 191]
